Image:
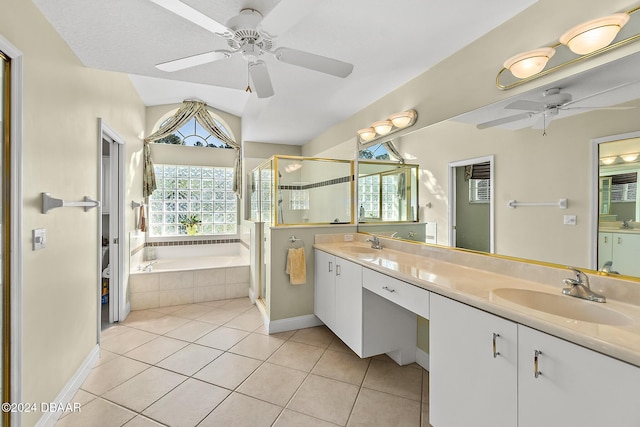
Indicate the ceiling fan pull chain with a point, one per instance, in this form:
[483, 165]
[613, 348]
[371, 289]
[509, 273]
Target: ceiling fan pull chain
[248, 89]
[544, 121]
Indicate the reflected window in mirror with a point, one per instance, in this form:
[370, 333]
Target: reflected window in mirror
[381, 151]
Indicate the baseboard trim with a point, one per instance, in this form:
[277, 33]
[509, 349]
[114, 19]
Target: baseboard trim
[422, 358]
[292, 323]
[49, 419]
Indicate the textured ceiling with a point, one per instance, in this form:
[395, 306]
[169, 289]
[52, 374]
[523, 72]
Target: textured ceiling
[389, 43]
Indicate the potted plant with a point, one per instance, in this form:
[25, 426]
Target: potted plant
[191, 223]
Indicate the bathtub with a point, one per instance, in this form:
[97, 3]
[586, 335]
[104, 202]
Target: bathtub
[190, 274]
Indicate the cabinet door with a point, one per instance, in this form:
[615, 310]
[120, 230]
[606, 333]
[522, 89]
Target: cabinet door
[605, 249]
[575, 386]
[325, 288]
[472, 358]
[626, 248]
[348, 324]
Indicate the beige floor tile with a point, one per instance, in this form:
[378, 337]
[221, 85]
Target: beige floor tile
[127, 341]
[190, 359]
[192, 311]
[191, 331]
[257, 346]
[297, 356]
[97, 413]
[290, 418]
[215, 304]
[142, 390]
[239, 304]
[239, 410]
[425, 386]
[112, 330]
[324, 398]
[137, 317]
[342, 367]
[273, 383]
[374, 408]
[319, 336]
[247, 321]
[424, 419]
[111, 374]
[105, 356]
[82, 398]
[219, 316]
[187, 404]
[169, 309]
[222, 338]
[388, 377]
[142, 421]
[228, 370]
[162, 325]
[156, 350]
[338, 345]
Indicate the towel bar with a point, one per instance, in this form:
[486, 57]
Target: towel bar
[49, 203]
[562, 204]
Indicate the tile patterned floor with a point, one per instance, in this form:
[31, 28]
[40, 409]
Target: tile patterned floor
[212, 364]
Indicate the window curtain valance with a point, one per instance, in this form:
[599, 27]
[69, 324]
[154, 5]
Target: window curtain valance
[189, 110]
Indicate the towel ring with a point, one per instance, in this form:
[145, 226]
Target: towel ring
[294, 239]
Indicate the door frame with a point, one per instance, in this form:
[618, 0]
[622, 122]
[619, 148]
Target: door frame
[15, 238]
[118, 308]
[452, 199]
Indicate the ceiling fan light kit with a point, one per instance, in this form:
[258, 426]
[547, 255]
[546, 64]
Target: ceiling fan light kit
[585, 40]
[381, 128]
[245, 36]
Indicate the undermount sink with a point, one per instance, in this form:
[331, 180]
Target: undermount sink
[361, 252]
[562, 305]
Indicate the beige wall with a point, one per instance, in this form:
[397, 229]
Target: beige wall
[62, 101]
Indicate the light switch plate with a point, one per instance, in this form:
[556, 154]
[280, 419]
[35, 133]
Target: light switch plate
[570, 220]
[39, 238]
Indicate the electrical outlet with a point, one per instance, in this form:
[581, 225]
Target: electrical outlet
[39, 238]
[348, 237]
[570, 220]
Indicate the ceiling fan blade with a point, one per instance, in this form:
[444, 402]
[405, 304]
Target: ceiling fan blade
[192, 61]
[191, 14]
[285, 15]
[505, 120]
[597, 108]
[260, 78]
[314, 62]
[542, 122]
[525, 105]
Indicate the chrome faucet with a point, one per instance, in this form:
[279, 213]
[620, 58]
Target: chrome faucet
[626, 224]
[580, 288]
[375, 242]
[147, 267]
[606, 268]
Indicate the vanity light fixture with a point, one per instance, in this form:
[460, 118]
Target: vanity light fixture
[593, 35]
[394, 123]
[608, 160]
[630, 157]
[527, 64]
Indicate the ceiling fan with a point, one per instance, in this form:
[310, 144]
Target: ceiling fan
[245, 35]
[553, 101]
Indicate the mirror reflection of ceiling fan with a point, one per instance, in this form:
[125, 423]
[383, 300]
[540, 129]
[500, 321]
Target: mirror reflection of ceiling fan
[246, 35]
[553, 101]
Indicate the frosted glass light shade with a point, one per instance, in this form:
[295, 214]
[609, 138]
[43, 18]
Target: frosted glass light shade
[629, 157]
[367, 134]
[403, 119]
[527, 64]
[593, 35]
[608, 160]
[382, 127]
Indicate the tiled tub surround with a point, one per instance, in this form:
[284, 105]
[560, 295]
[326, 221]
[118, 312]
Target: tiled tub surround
[190, 274]
[470, 278]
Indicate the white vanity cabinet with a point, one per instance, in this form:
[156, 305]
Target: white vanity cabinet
[620, 248]
[472, 361]
[575, 386]
[367, 323]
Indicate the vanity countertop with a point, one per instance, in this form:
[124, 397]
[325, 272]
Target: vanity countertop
[474, 287]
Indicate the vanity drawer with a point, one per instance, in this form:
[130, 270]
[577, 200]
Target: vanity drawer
[404, 294]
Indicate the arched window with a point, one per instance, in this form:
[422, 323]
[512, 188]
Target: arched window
[194, 135]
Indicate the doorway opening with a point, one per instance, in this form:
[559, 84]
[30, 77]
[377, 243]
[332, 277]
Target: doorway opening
[471, 206]
[112, 297]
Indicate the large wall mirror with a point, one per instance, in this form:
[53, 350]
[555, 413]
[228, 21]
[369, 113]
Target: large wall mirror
[541, 142]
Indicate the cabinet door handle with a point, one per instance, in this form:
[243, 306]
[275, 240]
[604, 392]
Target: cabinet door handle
[495, 346]
[337, 269]
[536, 371]
[606, 239]
[330, 266]
[619, 240]
[388, 289]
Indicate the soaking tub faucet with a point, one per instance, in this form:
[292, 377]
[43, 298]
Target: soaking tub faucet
[147, 267]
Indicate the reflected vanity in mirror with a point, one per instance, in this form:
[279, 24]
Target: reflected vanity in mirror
[539, 157]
